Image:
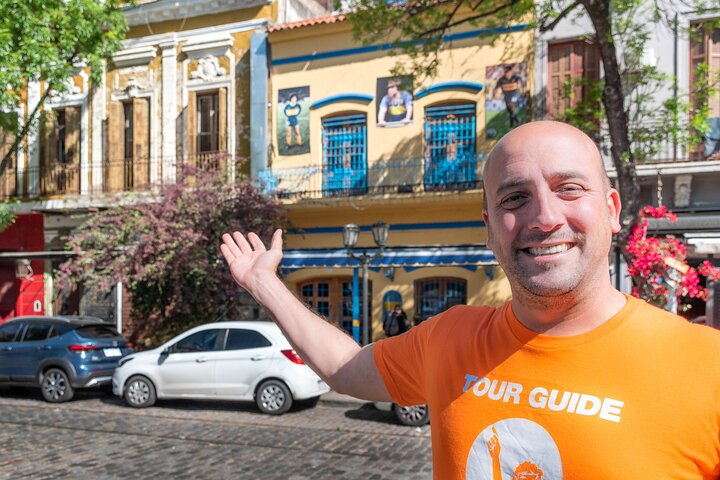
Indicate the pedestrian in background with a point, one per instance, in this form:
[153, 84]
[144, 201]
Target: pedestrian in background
[396, 322]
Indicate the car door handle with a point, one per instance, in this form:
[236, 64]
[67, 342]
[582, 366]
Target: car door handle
[44, 347]
[6, 349]
[257, 358]
[202, 359]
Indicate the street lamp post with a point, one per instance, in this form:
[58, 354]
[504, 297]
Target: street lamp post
[351, 233]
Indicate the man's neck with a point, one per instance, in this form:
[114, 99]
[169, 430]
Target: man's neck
[570, 314]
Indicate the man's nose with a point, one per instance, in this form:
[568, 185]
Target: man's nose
[547, 215]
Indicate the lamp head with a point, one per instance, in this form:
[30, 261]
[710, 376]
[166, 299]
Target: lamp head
[350, 235]
[380, 233]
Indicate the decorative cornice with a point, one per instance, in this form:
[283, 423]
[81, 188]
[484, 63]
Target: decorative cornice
[164, 10]
[216, 45]
[160, 38]
[134, 56]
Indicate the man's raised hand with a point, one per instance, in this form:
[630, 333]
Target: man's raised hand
[248, 258]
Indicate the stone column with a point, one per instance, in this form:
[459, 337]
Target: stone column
[169, 111]
[98, 115]
[33, 139]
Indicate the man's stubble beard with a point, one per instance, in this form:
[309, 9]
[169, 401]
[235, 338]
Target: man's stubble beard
[538, 293]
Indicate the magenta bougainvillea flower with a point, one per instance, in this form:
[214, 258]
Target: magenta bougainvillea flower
[651, 260]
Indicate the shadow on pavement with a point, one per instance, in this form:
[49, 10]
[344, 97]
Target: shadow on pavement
[204, 405]
[33, 393]
[369, 413]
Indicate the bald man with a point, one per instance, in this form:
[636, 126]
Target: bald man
[571, 376]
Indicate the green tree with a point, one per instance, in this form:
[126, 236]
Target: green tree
[166, 251]
[7, 216]
[50, 40]
[624, 99]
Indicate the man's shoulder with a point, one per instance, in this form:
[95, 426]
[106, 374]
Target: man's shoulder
[658, 324]
[466, 313]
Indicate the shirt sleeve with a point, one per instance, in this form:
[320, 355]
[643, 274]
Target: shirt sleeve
[407, 99]
[401, 361]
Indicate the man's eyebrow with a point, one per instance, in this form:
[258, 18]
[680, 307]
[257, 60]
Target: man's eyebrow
[520, 181]
[511, 183]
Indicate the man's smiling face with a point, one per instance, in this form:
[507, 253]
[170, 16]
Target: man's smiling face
[550, 211]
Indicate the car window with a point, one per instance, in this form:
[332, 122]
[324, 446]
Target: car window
[203, 341]
[97, 331]
[36, 332]
[240, 339]
[53, 332]
[8, 332]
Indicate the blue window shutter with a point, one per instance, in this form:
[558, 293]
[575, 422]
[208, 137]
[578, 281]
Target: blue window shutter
[450, 159]
[345, 155]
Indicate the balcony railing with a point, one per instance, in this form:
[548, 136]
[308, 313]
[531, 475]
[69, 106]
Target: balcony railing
[394, 176]
[382, 177]
[668, 149]
[129, 175]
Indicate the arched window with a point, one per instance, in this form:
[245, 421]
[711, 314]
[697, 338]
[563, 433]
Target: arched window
[450, 161]
[345, 154]
[435, 295]
[332, 298]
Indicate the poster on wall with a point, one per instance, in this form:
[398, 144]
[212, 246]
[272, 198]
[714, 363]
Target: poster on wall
[506, 104]
[293, 126]
[395, 104]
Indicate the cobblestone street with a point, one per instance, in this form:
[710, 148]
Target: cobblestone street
[97, 436]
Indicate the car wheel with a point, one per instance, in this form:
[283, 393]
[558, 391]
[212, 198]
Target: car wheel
[139, 392]
[273, 397]
[414, 416]
[55, 386]
[308, 402]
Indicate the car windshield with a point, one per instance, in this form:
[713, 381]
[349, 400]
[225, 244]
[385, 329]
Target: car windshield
[97, 331]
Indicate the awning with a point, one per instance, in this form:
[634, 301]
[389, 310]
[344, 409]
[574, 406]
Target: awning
[409, 258]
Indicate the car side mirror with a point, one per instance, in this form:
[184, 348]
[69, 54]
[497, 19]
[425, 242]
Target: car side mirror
[166, 351]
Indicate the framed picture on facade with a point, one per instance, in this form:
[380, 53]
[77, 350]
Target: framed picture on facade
[293, 125]
[394, 101]
[506, 104]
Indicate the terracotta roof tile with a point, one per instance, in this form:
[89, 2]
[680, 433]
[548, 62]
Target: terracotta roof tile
[308, 22]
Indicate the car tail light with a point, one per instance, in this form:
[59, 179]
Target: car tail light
[293, 356]
[83, 348]
[129, 345]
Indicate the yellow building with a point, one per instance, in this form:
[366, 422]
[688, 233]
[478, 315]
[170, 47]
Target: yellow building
[353, 145]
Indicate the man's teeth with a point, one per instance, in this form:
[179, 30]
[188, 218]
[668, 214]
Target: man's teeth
[537, 251]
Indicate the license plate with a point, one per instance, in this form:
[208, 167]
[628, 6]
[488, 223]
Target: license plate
[112, 352]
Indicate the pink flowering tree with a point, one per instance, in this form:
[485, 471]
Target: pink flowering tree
[655, 261]
[166, 251]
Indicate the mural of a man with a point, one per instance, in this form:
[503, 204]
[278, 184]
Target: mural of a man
[396, 106]
[506, 102]
[511, 84]
[292, 112]
[293, 121]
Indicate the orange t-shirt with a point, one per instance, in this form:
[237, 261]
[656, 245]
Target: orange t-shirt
[637, 397]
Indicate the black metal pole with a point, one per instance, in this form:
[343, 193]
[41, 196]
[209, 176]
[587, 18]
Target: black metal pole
[366, 321]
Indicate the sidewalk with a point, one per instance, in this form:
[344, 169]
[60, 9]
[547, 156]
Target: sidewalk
[334, 398]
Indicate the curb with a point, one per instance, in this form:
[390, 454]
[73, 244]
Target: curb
[339, 399]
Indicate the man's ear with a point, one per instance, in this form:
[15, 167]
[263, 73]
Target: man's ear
[614, 206]
[488, 243]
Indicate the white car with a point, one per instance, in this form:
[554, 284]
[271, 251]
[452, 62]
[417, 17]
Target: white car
[221, 361]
